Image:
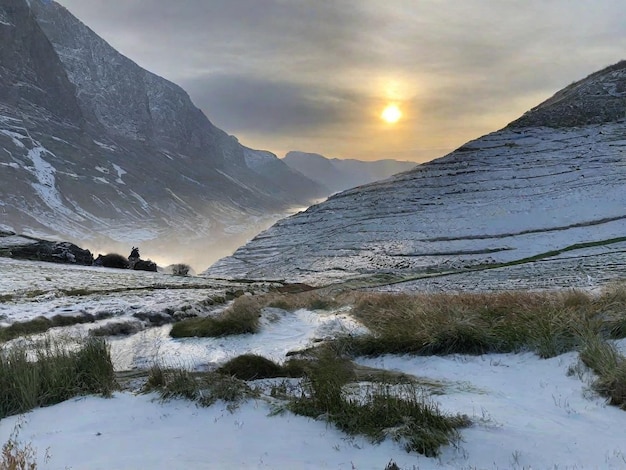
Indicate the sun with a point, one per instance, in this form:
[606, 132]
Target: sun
[391, 114]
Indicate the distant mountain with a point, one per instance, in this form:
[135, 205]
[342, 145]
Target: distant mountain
[337, 174]
[540, 203]
[96, 150]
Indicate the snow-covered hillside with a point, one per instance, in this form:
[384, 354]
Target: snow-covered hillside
[552, 199]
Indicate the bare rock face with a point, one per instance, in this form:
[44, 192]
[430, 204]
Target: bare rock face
[28, 248]
[541, 203]
[95, 149]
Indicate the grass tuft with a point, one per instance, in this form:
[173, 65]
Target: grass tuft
[48, 374]
[610, 366]
[383, 411]
[203, 387]
[242, 317]
[426, 324]
[251, 367]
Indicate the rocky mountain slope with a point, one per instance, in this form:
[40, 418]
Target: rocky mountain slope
[97, 150]
[540, 203]
[337, 174]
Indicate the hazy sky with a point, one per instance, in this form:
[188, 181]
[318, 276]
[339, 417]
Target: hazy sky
[315, 75]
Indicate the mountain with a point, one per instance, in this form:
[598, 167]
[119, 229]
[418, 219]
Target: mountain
[540, 203]
[338, 175]
[99, 151]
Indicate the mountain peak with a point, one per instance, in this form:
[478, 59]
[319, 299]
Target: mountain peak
[596, 99]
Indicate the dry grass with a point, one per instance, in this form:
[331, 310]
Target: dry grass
[549, 323]
[610, 367]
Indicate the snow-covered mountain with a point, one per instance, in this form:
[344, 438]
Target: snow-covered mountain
[337, 174]
[97, 150]
[539, 203]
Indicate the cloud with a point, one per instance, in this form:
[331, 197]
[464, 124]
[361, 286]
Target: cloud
[248, 104]
[288, 73]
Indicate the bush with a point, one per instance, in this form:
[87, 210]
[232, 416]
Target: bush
[56, 374]
[112, 260]
[180, 269]
[242, 317]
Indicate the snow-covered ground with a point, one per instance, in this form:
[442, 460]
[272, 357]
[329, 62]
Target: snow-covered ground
[527, 412]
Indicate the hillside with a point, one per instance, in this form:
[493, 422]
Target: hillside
[96, 150]
[539, 203]
[339, 174]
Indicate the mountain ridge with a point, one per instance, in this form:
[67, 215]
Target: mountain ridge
[99, 151]
[341, 174]
[513, 201]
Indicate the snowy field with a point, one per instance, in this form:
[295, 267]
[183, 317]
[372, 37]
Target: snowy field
[527, 412]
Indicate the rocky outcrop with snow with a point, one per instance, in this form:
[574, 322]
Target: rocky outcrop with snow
[542, 201]
[95, 149]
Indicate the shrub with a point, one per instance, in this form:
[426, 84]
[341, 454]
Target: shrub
[180, 269]
[17, 456]
[56, 374]
[112, 260]
[242, 317]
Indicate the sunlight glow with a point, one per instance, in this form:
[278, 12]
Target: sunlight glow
[391, 114]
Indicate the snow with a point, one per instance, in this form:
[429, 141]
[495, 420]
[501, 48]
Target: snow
[504, 197]
[527, 412]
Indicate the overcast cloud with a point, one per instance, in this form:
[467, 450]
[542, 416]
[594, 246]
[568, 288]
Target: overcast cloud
[314, 75]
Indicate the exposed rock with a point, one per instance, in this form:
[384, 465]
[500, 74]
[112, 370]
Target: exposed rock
[28, 248]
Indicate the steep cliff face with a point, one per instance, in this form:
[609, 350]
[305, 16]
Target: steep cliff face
[541, 205]
[93, 148]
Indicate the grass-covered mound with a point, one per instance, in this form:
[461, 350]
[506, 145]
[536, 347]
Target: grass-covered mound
[242, 317]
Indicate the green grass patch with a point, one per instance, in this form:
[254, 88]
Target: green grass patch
[48, 373]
